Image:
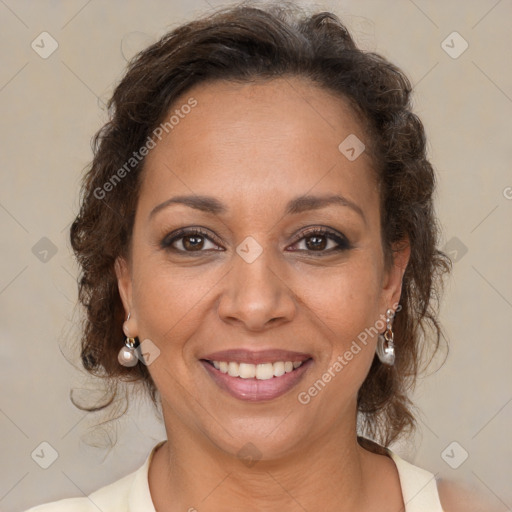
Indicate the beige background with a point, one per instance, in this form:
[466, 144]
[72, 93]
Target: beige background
[50, 108]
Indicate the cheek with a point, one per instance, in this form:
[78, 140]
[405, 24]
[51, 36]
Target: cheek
[347, 303]
[166, 299]
[169, 312]
[345, 297]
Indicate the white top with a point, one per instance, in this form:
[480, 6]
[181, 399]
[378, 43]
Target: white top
[131, 493]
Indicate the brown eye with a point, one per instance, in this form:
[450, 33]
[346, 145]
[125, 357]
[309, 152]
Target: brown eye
[321, 240]
[316, 242]
[193, 240]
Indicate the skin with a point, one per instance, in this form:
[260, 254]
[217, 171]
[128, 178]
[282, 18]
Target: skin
[254, 147]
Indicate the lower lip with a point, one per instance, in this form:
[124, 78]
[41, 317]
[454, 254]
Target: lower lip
[254, 390]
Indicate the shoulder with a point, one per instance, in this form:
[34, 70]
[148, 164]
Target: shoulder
[110, 498]
[419, 489]
[459, 497]
[128, 493]
[68, 505]
[423, 491]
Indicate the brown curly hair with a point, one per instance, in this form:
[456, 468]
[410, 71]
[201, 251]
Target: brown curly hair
[245, 43]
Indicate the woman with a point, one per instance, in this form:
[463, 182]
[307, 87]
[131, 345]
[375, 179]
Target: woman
[259, 249]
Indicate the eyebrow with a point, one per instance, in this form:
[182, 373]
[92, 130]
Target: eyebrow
[300, 204]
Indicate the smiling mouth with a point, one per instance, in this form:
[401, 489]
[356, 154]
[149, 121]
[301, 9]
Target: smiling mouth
[256, 382]
[262, 371]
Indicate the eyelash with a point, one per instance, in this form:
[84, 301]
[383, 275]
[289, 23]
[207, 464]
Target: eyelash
[342, 241]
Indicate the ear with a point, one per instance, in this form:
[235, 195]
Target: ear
[393, 277]
[124, 283]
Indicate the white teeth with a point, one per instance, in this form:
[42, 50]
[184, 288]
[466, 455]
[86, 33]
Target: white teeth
[263, 371]
[246, 371]
[233, 369]
[278, 369]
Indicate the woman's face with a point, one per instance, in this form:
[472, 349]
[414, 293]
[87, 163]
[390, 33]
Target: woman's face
[287, 267]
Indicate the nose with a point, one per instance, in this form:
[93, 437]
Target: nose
[256, 294]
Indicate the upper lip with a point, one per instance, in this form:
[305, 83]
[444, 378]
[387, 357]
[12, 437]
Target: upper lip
[257, 356]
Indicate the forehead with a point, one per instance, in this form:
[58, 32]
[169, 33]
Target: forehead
[280, 137]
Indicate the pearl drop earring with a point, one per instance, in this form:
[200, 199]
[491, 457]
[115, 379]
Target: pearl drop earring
[385, 345]
[128, 354]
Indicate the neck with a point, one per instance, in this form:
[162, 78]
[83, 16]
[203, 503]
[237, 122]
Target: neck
[189, 473]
